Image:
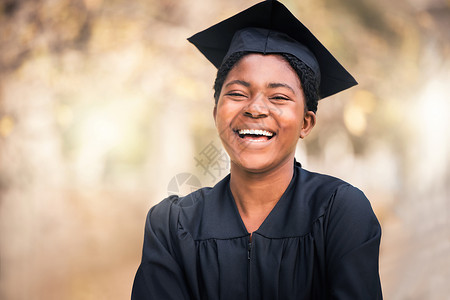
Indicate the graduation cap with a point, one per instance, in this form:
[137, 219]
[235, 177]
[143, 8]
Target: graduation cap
[269, 27]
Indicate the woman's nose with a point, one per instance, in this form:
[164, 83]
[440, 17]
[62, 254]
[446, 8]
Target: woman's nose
[257, 108]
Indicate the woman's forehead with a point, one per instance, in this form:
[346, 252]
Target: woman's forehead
[272, 68]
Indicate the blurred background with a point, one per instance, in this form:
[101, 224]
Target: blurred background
[105, 109]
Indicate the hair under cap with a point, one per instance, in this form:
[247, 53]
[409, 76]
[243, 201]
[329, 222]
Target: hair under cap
[269, 27]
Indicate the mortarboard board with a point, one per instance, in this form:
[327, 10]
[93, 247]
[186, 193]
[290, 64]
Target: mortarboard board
[269, 27]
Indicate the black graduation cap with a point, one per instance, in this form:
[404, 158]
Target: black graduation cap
[269, 27]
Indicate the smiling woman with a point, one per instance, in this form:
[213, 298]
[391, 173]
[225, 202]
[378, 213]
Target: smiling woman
[270, 229]
[262, 92]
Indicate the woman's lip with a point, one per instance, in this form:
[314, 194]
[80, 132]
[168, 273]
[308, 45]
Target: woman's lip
[254, 140]
[257, 132]
[259, 139]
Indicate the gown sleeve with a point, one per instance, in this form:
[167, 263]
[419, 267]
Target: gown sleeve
[353, 238]
[159, 275]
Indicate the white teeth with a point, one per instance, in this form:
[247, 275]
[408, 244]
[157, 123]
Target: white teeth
[255, 132]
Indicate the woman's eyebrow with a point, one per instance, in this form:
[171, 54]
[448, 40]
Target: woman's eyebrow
[241, 82]
[277, 85]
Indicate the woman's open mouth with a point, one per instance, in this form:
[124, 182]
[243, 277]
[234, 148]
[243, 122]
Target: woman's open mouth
[255, 135]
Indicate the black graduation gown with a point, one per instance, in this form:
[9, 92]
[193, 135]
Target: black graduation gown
[320, 241]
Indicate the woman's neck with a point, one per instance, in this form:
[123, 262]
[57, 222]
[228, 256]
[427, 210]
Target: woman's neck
[256, 194]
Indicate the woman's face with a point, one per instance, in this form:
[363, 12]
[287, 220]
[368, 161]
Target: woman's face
[261, 114]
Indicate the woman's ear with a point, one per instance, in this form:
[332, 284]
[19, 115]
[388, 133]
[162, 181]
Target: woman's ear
[215, 112]
[309, 120]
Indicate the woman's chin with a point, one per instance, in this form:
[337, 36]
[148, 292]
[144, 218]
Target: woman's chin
[252, 163]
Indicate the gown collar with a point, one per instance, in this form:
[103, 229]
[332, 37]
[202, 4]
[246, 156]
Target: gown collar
[221, 218]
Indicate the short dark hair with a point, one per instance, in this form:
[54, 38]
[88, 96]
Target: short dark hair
[310, 82]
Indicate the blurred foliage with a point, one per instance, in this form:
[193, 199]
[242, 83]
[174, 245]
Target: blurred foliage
[102, 103]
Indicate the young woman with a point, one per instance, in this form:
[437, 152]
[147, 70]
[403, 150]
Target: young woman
[270, 229]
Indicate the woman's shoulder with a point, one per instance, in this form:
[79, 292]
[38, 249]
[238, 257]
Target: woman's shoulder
[193, 212]
[343, 199]
[333, 193]
[164, 218]
[173, 205]
[318, 181]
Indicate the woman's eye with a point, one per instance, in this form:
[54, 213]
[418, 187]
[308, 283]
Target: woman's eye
[233, 94]
[280, 98]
